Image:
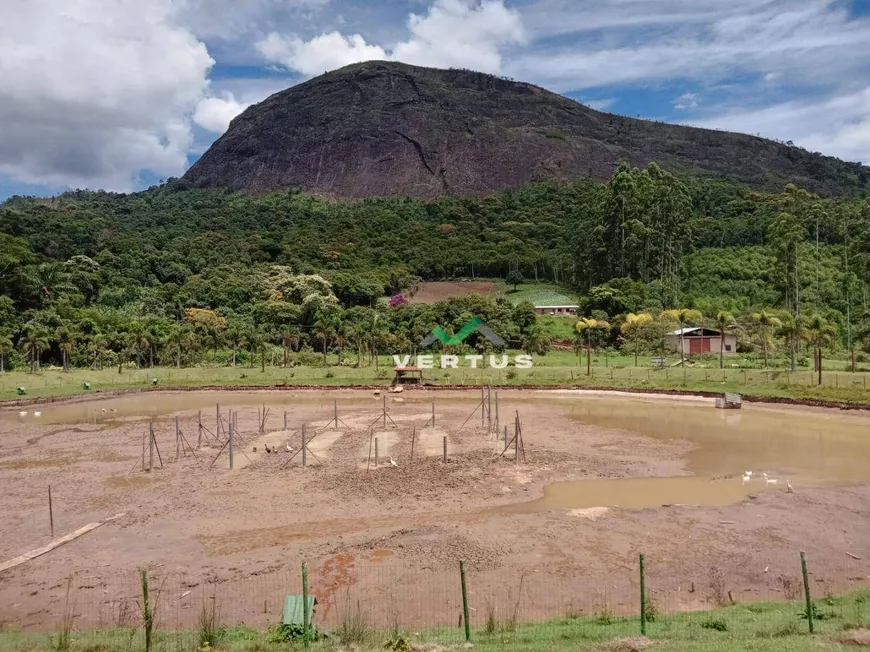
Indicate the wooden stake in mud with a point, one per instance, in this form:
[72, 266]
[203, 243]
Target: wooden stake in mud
[482, 406]
[642, 598]
[335, 414]
[433, 414]
[150, 446]
[505, 437]
[146, 612]
[199, 429]
[177, 440]
[217, 419]
[445, 449]
[231, 441]
[413, 437]
[807, 596]
[50, 512]
[304, 448]
[464, 601]
[306, 623]
[371, 441]
[144, 438]
[285, 419]
[385, 413]
[489, 408]
[376, 452]
[496, 416]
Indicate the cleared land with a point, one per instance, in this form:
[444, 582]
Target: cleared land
[435, 291]
[661, 478]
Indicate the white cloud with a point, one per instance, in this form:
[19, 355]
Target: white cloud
[454, 33]
[215, 113]
[687, 101]
[94, 92]
[837, 126]
[320, 54]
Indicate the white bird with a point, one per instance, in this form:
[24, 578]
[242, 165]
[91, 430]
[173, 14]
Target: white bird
[765, 475]
[747, 478]
[393, 462]
[103, 410]
[23, 413]
[772, 480]
[288, 448]
[788, 487]
[37, 414]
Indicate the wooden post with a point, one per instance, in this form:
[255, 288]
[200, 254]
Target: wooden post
[588, 360]
[51, 512]
[413, 437]
[306, 623]
[489, 408]
[217, 419]
[496, 416]
[807, 596]
[445, 449]
[199, 429]
[642, 599]
[232, 434]
[376, 452]
[482, 406]
[820, 366]
[464, 600]
[146, 611]
[385, 419]
[505, 437]
[433, 414]
[285, 419]
[304, 449]
[335, 414]
[150, 446]
[177, 440]
[144, 437]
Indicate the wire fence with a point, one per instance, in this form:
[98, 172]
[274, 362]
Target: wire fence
[432, 603]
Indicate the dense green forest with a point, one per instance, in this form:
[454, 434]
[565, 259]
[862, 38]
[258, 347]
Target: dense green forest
[167, 274]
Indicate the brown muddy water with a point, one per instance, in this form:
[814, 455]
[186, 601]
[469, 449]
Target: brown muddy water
[806, 447]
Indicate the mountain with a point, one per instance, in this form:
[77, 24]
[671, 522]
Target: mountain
[381, 128]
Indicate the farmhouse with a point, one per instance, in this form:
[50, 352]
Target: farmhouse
[701, 340]
[564, 311]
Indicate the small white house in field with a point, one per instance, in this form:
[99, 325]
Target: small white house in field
[561, 311]
[701, 340]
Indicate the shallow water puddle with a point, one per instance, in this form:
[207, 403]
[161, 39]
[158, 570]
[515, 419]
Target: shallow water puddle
[828, 445]
[640, 493]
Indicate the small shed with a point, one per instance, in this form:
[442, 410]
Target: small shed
[697, 340]
[408, 376]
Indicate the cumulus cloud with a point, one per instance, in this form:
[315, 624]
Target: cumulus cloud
[687, 101]
[94, 92]
[454, 33]
[215, 113]
[838, 126]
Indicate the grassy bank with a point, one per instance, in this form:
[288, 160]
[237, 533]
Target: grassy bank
[560, 368]
[763, 627]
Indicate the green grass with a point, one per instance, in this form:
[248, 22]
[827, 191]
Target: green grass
[557, 368]
[761, 627]
[541, 294]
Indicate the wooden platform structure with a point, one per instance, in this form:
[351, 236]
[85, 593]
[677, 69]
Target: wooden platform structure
[408, 376]
[729, 402]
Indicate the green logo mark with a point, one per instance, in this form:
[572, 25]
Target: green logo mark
[475, 325]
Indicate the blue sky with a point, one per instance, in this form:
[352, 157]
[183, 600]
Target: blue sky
[117, 94]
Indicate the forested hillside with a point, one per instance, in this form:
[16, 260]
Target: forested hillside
[173, 271]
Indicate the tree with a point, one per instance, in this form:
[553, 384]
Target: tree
[763, 322]
[235, 337]
[819, 332]
[724, 320]
[65, 344]
[590, 328]
[683, 316]
[515, 277]
[791, 329]
[255, 340]
[5, 349]
[633, 329]
[178, 340]
[33, 343]
[536, 341]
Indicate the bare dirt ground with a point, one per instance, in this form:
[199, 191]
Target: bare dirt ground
[434, 291]
[390, 536]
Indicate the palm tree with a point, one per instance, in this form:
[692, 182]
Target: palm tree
[683, 316]
[724, 320]
[65, 343]
[819, 332]
[255, 340]
[235, 337]
[33, 343]
[792, 330]
[588, 326]
[632, 328]
[97, 347]
[178, 340]
[51, 279]
[764, 321]
[139, 341]
[6, 348]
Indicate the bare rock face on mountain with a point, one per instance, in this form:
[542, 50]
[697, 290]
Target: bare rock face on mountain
[382, 128]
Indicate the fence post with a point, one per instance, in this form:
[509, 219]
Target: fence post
[306, 624]
[464, 601]
[231, 442]
[146, 611]
[807, 596]
[642, 598]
